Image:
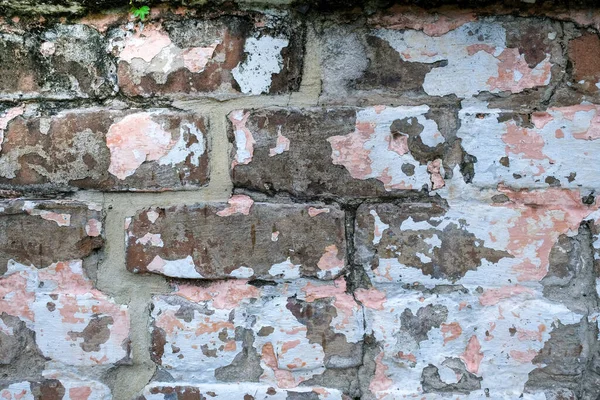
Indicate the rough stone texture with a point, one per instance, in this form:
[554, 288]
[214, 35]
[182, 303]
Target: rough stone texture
[53, 323]
[61, 62]
[241, 239]
[375, 151]
[460, 55]
[552, 148]
[25, 226]
[221, 57]
[402, 200]
[238, 391]
[148, 150]
[279, 336]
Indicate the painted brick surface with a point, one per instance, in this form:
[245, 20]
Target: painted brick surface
[110, 150]
[54, 325]
[317, 200]
[368, 152]
[223, 57]
[281, 336]
[271, 241]
[459, 55]
[64, 62]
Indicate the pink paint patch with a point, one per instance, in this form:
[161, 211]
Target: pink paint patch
[285, 379]
[398, 144]
[380, 380]
[282, 145]
[196, 58]
[523, 356]
[476, 48]
[433, 24]
[540, 119]
[329, 260]
[472, 355]
[492, 297]
[434, 167]
[60, 219]
[313, 212]
[523, 141]
[224, 294]
[134, 140]
[371, 298]
[544, 216]
[80, 393]
[451, 331]
[93, 228]
[238, 204]
[514, 75]
[145, 44]
[349, 151]
[243, 138]
[9, 115]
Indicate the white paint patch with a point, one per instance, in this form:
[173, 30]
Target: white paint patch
[183, 268]
[264, 59]
[285, 270]
[380, 227]
[152, 216]
[181, 150]
[477, 60]
[242, 272]
[282, 145]
[154, 239]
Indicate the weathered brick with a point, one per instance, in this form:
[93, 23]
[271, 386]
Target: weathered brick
[56, 386]
[281, 336]
[456, 340]
[436, 244]
[460, 55]
[62, 62]
[147, 150]
[584, 55]
[554, 148]
[247, 54]
[375, 151]
[26, 226]
[239, 391]
[49, 309]
[241, 239]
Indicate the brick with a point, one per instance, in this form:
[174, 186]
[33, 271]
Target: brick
[49, 310]
[239, 391]
[435, 244]
[56, 386]
[226, 56]
[109, 150]
[454, 340]
[26, 226]
[281, 336]
[368, 152]
[241, 239]
[583, 54]
[459, 55]
[63, 62]
[552, 148]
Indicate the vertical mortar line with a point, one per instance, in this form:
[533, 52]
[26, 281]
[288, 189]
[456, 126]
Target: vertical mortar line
[220, 179]
[127, 288]
[310, 88]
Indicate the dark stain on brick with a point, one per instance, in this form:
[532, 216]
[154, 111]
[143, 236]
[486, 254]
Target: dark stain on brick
[432, 383]
[198, 231]
[24, 237]
[246, 364]
[428, 317]
[95, 333]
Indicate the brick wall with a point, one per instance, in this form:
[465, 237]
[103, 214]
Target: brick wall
[292, 202]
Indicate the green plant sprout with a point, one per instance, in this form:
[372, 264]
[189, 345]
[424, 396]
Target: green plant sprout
[139, 12]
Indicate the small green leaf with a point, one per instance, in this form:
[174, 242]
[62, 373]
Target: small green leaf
[141, 12]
